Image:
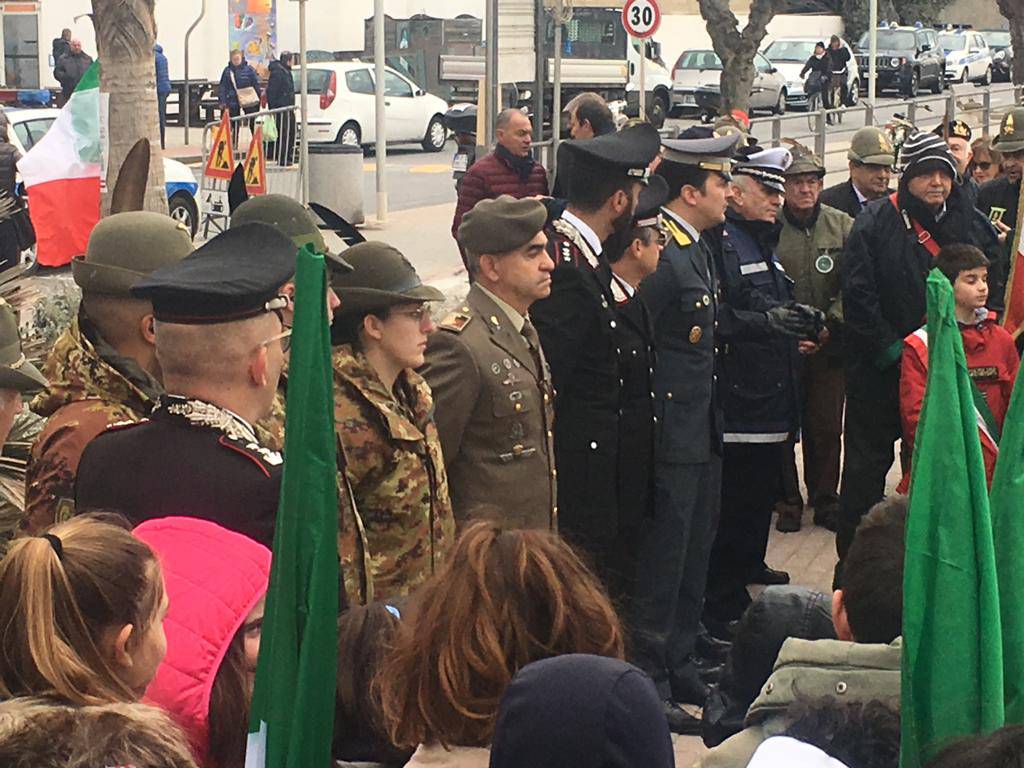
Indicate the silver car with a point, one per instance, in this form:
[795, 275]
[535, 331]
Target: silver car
[696, 88]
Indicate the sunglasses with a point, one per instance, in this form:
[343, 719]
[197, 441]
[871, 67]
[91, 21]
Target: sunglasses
[983, 166]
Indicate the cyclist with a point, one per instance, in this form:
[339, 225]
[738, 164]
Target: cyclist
[839, 57]
[818, 70]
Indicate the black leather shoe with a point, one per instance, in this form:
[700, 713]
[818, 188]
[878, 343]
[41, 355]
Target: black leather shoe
[711, 648]
[679, 721]
[769, 577]
[710, 674]
[690, 689]
[827, 516]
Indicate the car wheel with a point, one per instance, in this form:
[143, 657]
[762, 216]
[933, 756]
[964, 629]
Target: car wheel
[940, 79]
[914, 85]
[436, 136]
[963, 77]
[780, 105]
[853, 97]
[987, 80]
[350, 134]
[182, 208]
[659, 110]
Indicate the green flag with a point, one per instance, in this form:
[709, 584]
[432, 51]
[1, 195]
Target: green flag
[1007, 502]
[293, 702]
[952, 646]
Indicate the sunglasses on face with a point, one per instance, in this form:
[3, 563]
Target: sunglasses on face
[983, 166]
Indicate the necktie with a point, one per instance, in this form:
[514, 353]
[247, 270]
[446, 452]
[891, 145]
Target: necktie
[533, 342]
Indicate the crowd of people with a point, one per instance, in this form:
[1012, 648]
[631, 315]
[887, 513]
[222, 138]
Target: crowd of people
[554, 498]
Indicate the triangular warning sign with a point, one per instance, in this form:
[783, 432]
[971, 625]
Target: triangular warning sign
[256, 165]
[220, 163]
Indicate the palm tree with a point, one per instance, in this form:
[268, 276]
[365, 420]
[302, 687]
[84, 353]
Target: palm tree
[125, 35]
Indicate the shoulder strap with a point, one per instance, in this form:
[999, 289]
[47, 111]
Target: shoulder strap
[924, 237]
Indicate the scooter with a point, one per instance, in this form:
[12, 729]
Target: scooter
[461, 121]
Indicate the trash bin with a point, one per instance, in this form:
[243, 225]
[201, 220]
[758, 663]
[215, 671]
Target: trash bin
[336, 179]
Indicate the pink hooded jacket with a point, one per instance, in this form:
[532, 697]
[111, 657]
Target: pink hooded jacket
[214, 578]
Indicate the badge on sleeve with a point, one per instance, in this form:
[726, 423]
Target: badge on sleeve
[825, 263]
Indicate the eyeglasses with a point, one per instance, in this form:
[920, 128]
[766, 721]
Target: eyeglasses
[419, 314]
[983, 166]
[285, 337]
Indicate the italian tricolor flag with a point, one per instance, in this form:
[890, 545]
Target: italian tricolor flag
[62, 176]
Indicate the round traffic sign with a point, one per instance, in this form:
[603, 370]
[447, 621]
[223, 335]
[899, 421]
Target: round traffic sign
[641, 18]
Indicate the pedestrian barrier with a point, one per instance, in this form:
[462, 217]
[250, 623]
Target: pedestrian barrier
[279, 129]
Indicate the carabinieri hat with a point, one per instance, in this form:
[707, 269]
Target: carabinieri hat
[626, 153]
[711, 154]
[648, 207]
[236, 275]
[768, 166]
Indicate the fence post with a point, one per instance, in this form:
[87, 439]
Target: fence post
[912, 111]
[950, 105]
[819, 134]
[776, 130]
[869, 113]
[986, 111]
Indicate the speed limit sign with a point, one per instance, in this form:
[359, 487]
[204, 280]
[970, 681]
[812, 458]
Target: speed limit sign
[641, 18]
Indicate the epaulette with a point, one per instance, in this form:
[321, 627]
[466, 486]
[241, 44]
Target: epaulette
[678, 233]
[253, 451]
[119, 426]
[456, 321]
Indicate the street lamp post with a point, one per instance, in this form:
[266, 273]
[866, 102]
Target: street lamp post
[872, 53]
[380, 104]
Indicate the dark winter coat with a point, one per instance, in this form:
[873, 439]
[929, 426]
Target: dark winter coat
[492, 176]
[280, 86]
[245, 77]
[59, 47]
[883, 275]
[998, 200]
[70, 69]
[843, 197]
[163, 78]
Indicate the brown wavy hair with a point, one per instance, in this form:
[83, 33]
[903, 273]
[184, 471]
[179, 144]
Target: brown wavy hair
[503, 599]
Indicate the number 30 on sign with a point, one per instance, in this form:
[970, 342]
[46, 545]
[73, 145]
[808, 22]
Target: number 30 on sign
[641, 18]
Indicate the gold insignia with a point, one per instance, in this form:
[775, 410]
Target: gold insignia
[494, 320]
[1009, 127]
[884, 144]
[183, 228]
[456, 321]
[696, 334]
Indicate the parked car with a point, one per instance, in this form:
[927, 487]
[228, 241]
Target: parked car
[696, 84]
[1002, 53]
[30, 125]
[968, 58]
[343, 106]
[789, 54]
[909, 58]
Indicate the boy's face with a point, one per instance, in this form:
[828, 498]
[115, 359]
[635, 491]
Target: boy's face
[971, 288]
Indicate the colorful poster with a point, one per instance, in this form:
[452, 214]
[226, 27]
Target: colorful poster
[252, 28]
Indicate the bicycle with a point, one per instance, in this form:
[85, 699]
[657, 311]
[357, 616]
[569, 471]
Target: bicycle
[812, 87]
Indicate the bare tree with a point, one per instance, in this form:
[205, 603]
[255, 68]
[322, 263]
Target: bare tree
[1013, 10]
[736, 49]
[125, 35]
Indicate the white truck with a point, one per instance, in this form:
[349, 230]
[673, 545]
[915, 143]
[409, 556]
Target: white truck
[597, 55]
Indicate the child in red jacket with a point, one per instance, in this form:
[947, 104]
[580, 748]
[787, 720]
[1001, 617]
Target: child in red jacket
[992, 358]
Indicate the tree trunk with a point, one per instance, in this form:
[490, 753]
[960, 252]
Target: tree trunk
[125, 35]
[1014, 13]
[736, 49]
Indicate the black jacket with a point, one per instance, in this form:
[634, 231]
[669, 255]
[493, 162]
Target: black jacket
[842, 196]
[280, 86]
[70, 69]
[998, 200]
[839, 57]
[883, 277]
[758, 368]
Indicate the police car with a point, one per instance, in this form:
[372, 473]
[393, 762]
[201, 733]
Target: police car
[968, 58]
[27, 126]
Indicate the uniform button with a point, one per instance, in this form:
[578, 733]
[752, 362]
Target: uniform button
[696, 305]
[655, 419]
[546, 398]
[619, 352]
[554, 473]
[841, 687]
[634, 353]
[668, 396]
[612, 324]
[550, 434]
[621, 383]
[519, 406]
[652, 394]
[714, 377]
[593, 446]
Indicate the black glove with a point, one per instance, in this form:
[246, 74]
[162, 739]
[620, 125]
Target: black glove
[813, 318]
[787, 321]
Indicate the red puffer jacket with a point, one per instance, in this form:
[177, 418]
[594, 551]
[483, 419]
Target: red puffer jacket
[490, 177]
[992, 362]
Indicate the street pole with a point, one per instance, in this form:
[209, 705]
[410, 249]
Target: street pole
[379, 106]
[643, 80]
[873, 52]
[539, 75]
[188, 83]
[556, 95]
[491, 70]
[303, 104]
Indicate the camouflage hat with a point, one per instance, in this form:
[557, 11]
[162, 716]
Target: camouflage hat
[872, 146]
[381, 277]
[126, 247]
[804, 160]
[1011, 132]
[292, 219]
[15, 371]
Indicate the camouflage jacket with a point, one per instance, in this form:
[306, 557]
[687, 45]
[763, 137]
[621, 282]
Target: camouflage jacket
[13, 461]
[91, 387]
[396, 473]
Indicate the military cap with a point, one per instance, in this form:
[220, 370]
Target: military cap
[236, 275]
[726, 125]
[1011, 132]
[292, 219]
[872, 146]
[381, 277]
[804, 160]
[128, 246]
[15, 371]
[501, 225]
[648, 207]
[954, 129]
[768, 166]
[626, 153]
[711, 154]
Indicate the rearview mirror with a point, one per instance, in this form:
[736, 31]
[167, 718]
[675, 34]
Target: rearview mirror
[771, 70]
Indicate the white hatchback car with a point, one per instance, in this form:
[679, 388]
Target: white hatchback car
[30, 125]
[342, 106]
[968, 58]
[790, 54]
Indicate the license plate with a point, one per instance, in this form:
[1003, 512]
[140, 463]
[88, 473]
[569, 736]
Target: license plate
[460, 162]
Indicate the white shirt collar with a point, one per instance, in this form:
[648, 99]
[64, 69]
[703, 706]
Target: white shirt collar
[687, 226]
[860, 198]
[584, 229]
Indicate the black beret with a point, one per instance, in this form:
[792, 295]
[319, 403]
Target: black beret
[502, 224]
[236, 275]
